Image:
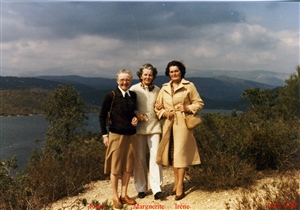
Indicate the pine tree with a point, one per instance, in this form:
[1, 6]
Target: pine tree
[64, 111]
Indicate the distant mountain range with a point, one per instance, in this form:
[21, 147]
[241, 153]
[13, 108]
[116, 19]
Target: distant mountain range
[217, 91]
[266, 77]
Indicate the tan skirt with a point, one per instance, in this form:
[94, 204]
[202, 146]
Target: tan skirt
[120, 153]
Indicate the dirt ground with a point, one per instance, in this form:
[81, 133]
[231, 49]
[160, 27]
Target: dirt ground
[195, 199]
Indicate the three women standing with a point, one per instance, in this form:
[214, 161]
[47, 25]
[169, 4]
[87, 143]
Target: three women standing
[178, 147]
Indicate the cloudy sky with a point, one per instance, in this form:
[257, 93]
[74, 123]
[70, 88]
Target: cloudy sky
[97, 38]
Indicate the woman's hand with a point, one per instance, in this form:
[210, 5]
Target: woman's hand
[158, 106]
[134, 121]
[106, 141]
[169, 114]
[181, 108]
[141, 117]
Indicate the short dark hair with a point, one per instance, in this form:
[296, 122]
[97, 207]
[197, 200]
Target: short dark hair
[179, 64]
[147, 66]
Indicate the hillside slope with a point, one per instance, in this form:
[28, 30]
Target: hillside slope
[23, 96]
[22, 102]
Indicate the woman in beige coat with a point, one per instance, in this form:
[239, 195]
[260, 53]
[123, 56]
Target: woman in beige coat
[178, 147]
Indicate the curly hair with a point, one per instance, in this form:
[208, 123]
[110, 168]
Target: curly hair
[147, 66]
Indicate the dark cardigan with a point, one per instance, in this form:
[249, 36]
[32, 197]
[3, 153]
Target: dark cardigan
[121, 114]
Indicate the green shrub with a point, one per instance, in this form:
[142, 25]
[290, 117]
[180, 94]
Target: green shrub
[273, 117]
[272, 144]
[13, 195]
[55, 176]
[219, 139]
[47, 178]
[233, 147]
[71, 157]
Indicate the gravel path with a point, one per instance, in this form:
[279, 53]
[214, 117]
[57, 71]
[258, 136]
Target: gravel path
[194, 199]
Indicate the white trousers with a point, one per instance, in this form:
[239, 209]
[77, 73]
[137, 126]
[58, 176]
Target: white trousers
[140, 166]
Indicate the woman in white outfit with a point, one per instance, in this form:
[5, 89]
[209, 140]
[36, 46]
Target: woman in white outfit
[148, 133]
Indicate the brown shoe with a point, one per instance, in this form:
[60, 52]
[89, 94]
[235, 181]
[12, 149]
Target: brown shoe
[177, 198]
[117, 203]
[127, 200]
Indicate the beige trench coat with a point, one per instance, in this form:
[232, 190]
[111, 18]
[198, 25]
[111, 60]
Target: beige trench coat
[185, 147]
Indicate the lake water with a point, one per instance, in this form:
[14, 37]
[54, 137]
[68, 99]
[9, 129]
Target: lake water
[18, 134]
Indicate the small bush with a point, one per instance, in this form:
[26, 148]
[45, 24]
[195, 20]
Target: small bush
[13, 194]
[283, 193]
[271, 144]
[219, 139]
[222, 172]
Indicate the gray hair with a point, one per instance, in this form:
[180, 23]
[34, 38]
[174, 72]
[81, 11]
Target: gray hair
[124, 71]
[149, 67]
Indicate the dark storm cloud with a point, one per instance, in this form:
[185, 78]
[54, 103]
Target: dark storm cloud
[92, 37]
[123, 20]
